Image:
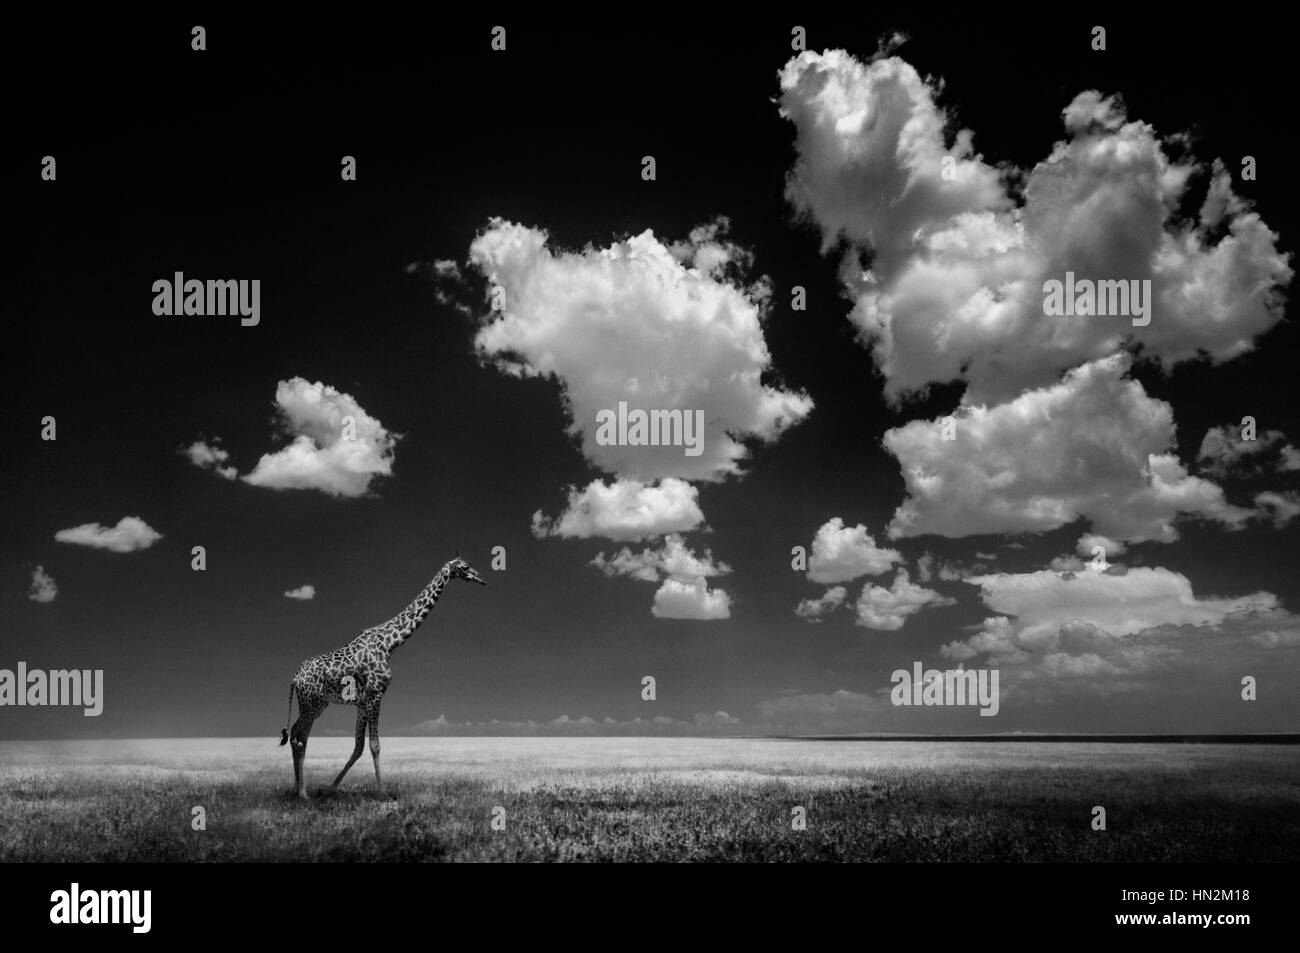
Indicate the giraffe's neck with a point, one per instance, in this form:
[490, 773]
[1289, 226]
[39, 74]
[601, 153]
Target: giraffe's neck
[402, 625]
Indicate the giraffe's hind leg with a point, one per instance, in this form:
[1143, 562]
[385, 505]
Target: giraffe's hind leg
[372, 718]
[360, 745]
[308, 712]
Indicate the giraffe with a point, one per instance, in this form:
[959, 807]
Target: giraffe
[324, 678]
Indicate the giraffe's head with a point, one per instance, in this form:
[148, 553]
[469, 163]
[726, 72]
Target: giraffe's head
[463, 570]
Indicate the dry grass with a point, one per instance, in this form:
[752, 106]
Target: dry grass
[651, 799]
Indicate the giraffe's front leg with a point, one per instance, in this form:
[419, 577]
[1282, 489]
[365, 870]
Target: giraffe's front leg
[372, 719]
[357, 749]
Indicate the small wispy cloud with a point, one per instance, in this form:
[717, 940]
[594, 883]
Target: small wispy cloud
[209, 456]
[42, 588]
[130, 534]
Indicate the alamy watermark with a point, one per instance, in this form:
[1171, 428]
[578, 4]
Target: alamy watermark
[1088, 298]
[58, 687]
[76, 906]
[653, 428]
[960, 686]
[212, 297]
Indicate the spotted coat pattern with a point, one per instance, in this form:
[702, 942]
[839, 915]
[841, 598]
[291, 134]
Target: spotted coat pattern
[359, 674]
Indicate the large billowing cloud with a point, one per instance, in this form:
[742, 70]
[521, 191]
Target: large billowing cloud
[1121, 603]
[684, 592]
[1190, 671]
[871, 146]
[841, 553]
[1144, 629]
[954, 289]
[654, 327]
[129, 535]
[624, 510]
[1093, 446]
[337, 447]
[1099, 632]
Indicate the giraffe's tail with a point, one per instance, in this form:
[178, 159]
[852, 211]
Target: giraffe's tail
[284, 733]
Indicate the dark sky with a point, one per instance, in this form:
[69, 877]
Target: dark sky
[225, 164]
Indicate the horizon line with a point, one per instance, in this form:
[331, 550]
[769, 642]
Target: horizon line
[1283, 737]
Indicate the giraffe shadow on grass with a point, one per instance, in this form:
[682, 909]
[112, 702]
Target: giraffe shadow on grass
[328, 795]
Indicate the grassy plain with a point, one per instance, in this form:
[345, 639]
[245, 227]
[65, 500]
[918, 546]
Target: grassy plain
[651, 799]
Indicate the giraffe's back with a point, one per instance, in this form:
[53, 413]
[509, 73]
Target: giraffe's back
[323, 679]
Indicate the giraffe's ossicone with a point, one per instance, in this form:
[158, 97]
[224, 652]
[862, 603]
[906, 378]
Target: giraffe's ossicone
[359, 674]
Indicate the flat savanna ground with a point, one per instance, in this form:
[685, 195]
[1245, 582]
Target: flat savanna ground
[650, 799]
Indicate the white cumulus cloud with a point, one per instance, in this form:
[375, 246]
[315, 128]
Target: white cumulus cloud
[624, 510]
[684, 592]
[1092, 446]
[690, 599]
[129, 535]
[888, 609]
[655, 326]
[841, 553]
[337, 448]
[1034, 607]
[954, 287]
[1144, 630]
